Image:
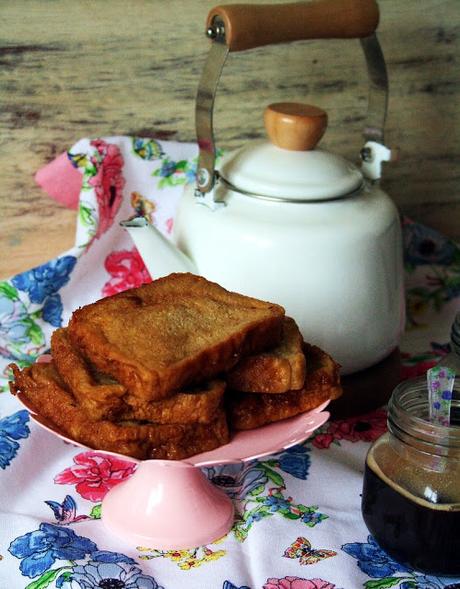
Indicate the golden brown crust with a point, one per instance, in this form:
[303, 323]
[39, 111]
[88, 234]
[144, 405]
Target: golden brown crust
[43, 392]
[198, 405]
[103, 400]
[279, 370]
[175, 331]
[99, 401]
[251, 410]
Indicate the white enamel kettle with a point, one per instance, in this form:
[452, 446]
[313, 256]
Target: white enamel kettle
[283, 221]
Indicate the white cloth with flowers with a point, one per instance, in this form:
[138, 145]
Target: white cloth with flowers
[298, 523]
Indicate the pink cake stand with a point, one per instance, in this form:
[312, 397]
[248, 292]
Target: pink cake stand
[171, 504]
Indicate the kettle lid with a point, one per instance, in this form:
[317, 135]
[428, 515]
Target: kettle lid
[288, 167]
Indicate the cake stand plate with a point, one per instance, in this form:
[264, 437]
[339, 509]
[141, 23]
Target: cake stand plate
[171, 504]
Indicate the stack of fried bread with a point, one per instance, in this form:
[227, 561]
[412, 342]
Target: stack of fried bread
[169, 369]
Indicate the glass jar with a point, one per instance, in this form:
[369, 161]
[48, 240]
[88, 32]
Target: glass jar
[452, 360]
[411, 490]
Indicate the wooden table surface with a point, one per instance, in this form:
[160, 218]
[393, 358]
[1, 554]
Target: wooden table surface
[86, 68]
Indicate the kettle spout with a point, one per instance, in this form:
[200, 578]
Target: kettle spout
[160, 256]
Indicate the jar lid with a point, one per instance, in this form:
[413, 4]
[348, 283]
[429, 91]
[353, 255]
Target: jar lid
[288, 167]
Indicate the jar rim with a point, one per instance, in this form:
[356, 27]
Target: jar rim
[408, 411]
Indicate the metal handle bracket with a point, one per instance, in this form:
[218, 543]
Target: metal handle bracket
[206, 175]
[373, 130]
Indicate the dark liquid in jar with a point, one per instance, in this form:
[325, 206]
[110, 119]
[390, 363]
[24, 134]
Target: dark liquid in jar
[412, 532]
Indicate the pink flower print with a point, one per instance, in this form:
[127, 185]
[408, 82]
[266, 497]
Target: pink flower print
[127, 270]
[420, 369]
[413, 366]
[100, 145]
[94, 474]
[323, 441]
[108, 183]
[297, 583]
[169, 225]
[365, 428]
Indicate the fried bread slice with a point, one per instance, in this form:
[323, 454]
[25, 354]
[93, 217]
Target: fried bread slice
[45, 394]
[173, 332]
[322, 382]
[98, 395]
[279, 370]
[195, 405]
[103, 398]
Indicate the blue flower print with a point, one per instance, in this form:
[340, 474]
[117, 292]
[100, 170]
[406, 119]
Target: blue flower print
[52, 310]
[15, 425]
[372, 560]
[276, 503]
[12, 428]
[20, 336]
[423, 245]
[11, 326]
[228, 585]
[38, 550]
[45, 280]
[107, 556]
[190, 174]
[421, 582]
[64, 512]
[116, 575]
[172, 173]
[295, 461]
[255, 516]
[237, 480]
[8, 450]
[311, 518]
[168, 167]
[147, 149]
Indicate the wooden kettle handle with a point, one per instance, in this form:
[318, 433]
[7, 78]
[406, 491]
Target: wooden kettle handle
[253, 25]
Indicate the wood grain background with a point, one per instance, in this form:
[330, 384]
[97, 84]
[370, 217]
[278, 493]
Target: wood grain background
[79, 68]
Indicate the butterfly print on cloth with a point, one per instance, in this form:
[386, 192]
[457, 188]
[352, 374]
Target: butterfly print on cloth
[302, 550]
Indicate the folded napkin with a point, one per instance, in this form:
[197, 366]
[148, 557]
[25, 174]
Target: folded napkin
[61, 180]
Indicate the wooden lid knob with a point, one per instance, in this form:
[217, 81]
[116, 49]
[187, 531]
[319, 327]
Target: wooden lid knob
[295, 126]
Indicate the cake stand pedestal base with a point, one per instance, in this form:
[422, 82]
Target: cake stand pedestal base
[167, 505]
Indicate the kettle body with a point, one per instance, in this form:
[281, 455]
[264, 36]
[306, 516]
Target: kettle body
[335, 266]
